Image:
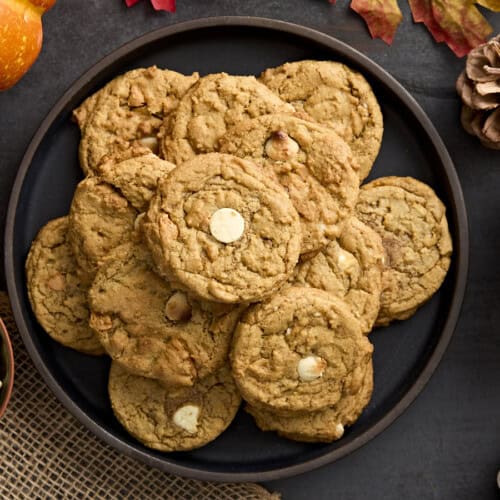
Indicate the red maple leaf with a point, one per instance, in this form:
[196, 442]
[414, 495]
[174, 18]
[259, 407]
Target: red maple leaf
[458, 23]
[167, 5]
[381, 16]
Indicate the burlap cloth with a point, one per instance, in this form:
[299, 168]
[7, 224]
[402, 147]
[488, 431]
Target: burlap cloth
[46, 453]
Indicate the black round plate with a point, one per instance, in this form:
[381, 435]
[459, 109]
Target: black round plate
[406, 353]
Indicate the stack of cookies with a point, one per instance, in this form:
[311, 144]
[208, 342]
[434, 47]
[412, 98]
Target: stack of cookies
[220, 247]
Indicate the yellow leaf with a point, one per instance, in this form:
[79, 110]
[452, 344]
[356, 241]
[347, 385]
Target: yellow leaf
[490, 4]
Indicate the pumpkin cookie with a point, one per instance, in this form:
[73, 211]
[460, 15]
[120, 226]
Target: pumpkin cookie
[411, 221]
[301, 350]
[128, 110]
[100, 220]
[83, 112]
[173, 419]
[135, 174]
[335, 95]
[104, 209]
[223, 228]
[57, 295]
[313, 164]
[323, 425]
[214, 104]
[350, 268]
[151, 327]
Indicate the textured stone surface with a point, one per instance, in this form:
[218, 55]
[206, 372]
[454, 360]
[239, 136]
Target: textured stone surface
[446, 445]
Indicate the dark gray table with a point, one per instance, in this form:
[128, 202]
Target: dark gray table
[447, 444]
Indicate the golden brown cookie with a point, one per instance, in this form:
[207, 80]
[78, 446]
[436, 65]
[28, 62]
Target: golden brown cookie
[349, 268]
[209, 108]
[298, 351]
[129, 110]
[411, 220]
[173, 419]
[335, 95]
[104, 209]
[57, 295]
[83, 112]
[310, 161]
[135, 174]
[223, 228]
[100, 219]
[151, 327]
[325, 425]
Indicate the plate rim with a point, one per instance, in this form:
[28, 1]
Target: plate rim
[461, 251]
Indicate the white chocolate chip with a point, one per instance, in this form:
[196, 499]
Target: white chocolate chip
[177, 307]
[310, 368]
[339, 429]
[149, 142]
[346, 260]
[288, 331]
[280, 146]
[186, 417]
[138, 221]
[227, 225]
[317, 314]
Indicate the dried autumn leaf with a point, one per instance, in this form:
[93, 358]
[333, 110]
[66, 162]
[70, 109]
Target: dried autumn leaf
[490, 4]
[381, 16]
[168, 5]
[422, 13]
[458, 23]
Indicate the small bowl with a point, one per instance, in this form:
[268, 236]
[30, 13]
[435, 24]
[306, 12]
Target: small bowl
[6, 368]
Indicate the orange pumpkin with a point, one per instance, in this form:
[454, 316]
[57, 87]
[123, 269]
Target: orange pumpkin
[20, 37]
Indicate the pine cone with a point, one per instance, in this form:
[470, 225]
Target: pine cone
[479, 87]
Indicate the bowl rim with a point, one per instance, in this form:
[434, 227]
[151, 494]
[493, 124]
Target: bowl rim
[10, 368]
[461, 251]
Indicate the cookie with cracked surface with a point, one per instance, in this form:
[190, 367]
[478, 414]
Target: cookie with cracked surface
[211, 106]
[350, 267]
[298, 351]
[57, 295]
[135, 174]
[173, 419]
[223, 228]
[325, 425]
[411, 220]
[335, 95]
[83, 112]
[310, 161]
[151, 327]
[128, 110]
[104, 209]
[100, 219]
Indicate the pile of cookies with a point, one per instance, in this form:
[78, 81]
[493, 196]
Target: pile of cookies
[220, 247]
